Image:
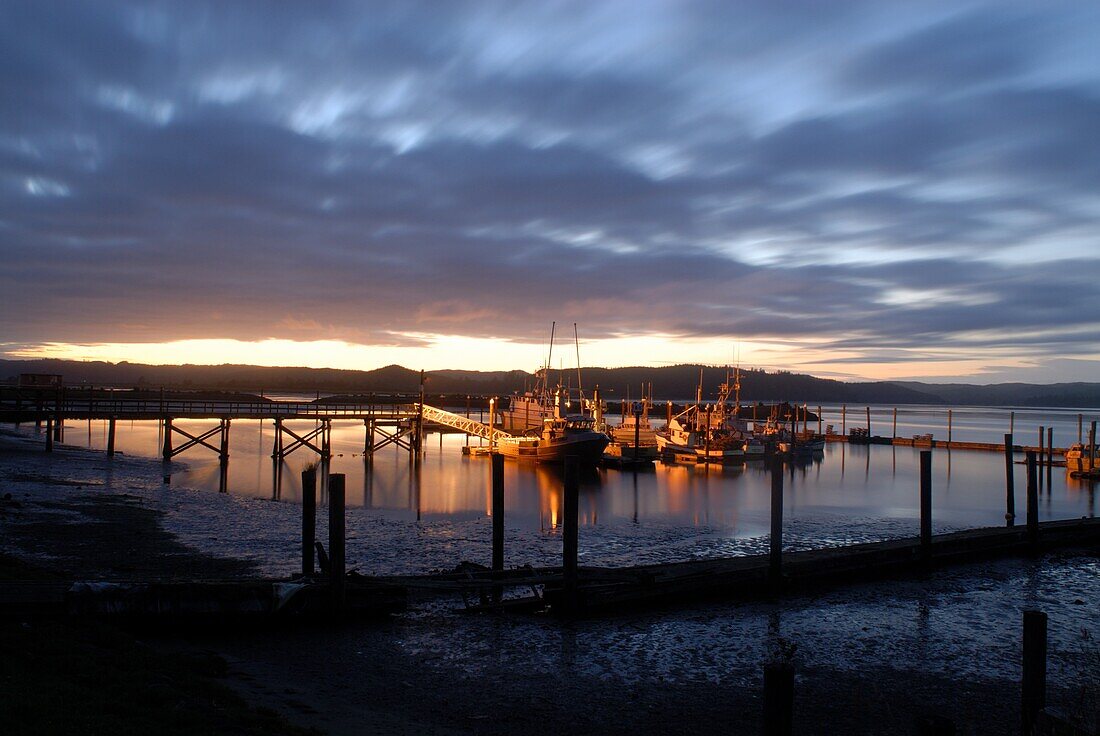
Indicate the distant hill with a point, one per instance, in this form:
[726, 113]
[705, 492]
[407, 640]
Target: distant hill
[676, 382]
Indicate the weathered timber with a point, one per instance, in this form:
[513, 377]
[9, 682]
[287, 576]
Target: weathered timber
[609, 590]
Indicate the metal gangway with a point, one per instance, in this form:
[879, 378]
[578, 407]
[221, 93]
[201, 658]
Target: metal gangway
[463, 424]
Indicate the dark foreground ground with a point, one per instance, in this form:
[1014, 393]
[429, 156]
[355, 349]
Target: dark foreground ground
[436, 671]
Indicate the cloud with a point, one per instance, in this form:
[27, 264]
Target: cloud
[878, 179]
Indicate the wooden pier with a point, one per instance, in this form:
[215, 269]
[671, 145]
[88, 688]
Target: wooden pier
[393, 420]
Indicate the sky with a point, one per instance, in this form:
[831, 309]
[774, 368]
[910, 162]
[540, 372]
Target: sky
[850, 189]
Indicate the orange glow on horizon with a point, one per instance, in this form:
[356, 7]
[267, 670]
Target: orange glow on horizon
[437, 352]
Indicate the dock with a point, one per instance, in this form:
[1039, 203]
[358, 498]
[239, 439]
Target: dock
[602, 591]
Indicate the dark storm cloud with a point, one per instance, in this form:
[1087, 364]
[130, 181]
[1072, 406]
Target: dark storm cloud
[885, 178]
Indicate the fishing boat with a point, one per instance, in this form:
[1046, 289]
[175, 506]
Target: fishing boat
[710, 432]
[560, 437]
[634, 439]
[544, 429]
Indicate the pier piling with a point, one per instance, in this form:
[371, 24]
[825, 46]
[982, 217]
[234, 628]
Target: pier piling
[570, 521]
[167, 449]
[778, 698]
[309, 518]
[498, 520]
[1032, 502]
[111, 437]
[1034, 681]
[1010, 483]
[775, 542]
[49, 434]
[1050, 456]
[926, 504]
[336, 551]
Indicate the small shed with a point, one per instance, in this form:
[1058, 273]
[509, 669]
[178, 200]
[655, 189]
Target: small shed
[40, 380]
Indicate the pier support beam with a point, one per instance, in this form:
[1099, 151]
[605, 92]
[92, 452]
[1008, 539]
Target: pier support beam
[778, 699]
[498, 520]
[309, 518]
[111, 437]
[309, 439]
[570, 530]
[1032, 502]
[49, 434]
[167, 451]
[775, 542]
[1010, 483]
[337, 562]
[1050, 456]
[1034, 682]
[222, 448]
[926, 504]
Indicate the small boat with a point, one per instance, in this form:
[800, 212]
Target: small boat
[1080, 461]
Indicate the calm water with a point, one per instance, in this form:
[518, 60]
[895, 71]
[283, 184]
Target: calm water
[849, 493]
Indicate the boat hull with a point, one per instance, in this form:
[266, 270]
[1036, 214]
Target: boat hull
[588, 447]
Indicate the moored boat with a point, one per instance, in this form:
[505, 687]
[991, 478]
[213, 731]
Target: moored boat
[560, 437]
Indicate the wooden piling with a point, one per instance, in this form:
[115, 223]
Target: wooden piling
[277, 442]
[949, 426]
[1092, 444]
[570, 529]
[778, 699]
[1080, 428]
[926, 504]
[775, 541]
[1034, 681]
[844, 419]
[1012, 422]
[49, 434]
[1032, 502]
[895, 430]
[111, 437]
[1050, 456]
[336, 531]
[819, 420]
[223, 454]
[309, 518]
[868, 422]
[1010, 483]
[167, 450]
[498, 511]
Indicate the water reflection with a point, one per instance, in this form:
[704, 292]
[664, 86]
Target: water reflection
[733, 501]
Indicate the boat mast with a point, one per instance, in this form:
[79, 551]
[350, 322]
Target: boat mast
[580, 390]
[549, 356]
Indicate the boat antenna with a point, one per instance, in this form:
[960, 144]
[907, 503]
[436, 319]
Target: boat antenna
[551, 353]
[577, 342]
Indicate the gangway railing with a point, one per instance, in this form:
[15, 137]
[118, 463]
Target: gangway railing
[463, 424]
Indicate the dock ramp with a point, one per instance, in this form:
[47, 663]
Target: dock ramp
[464, 424]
